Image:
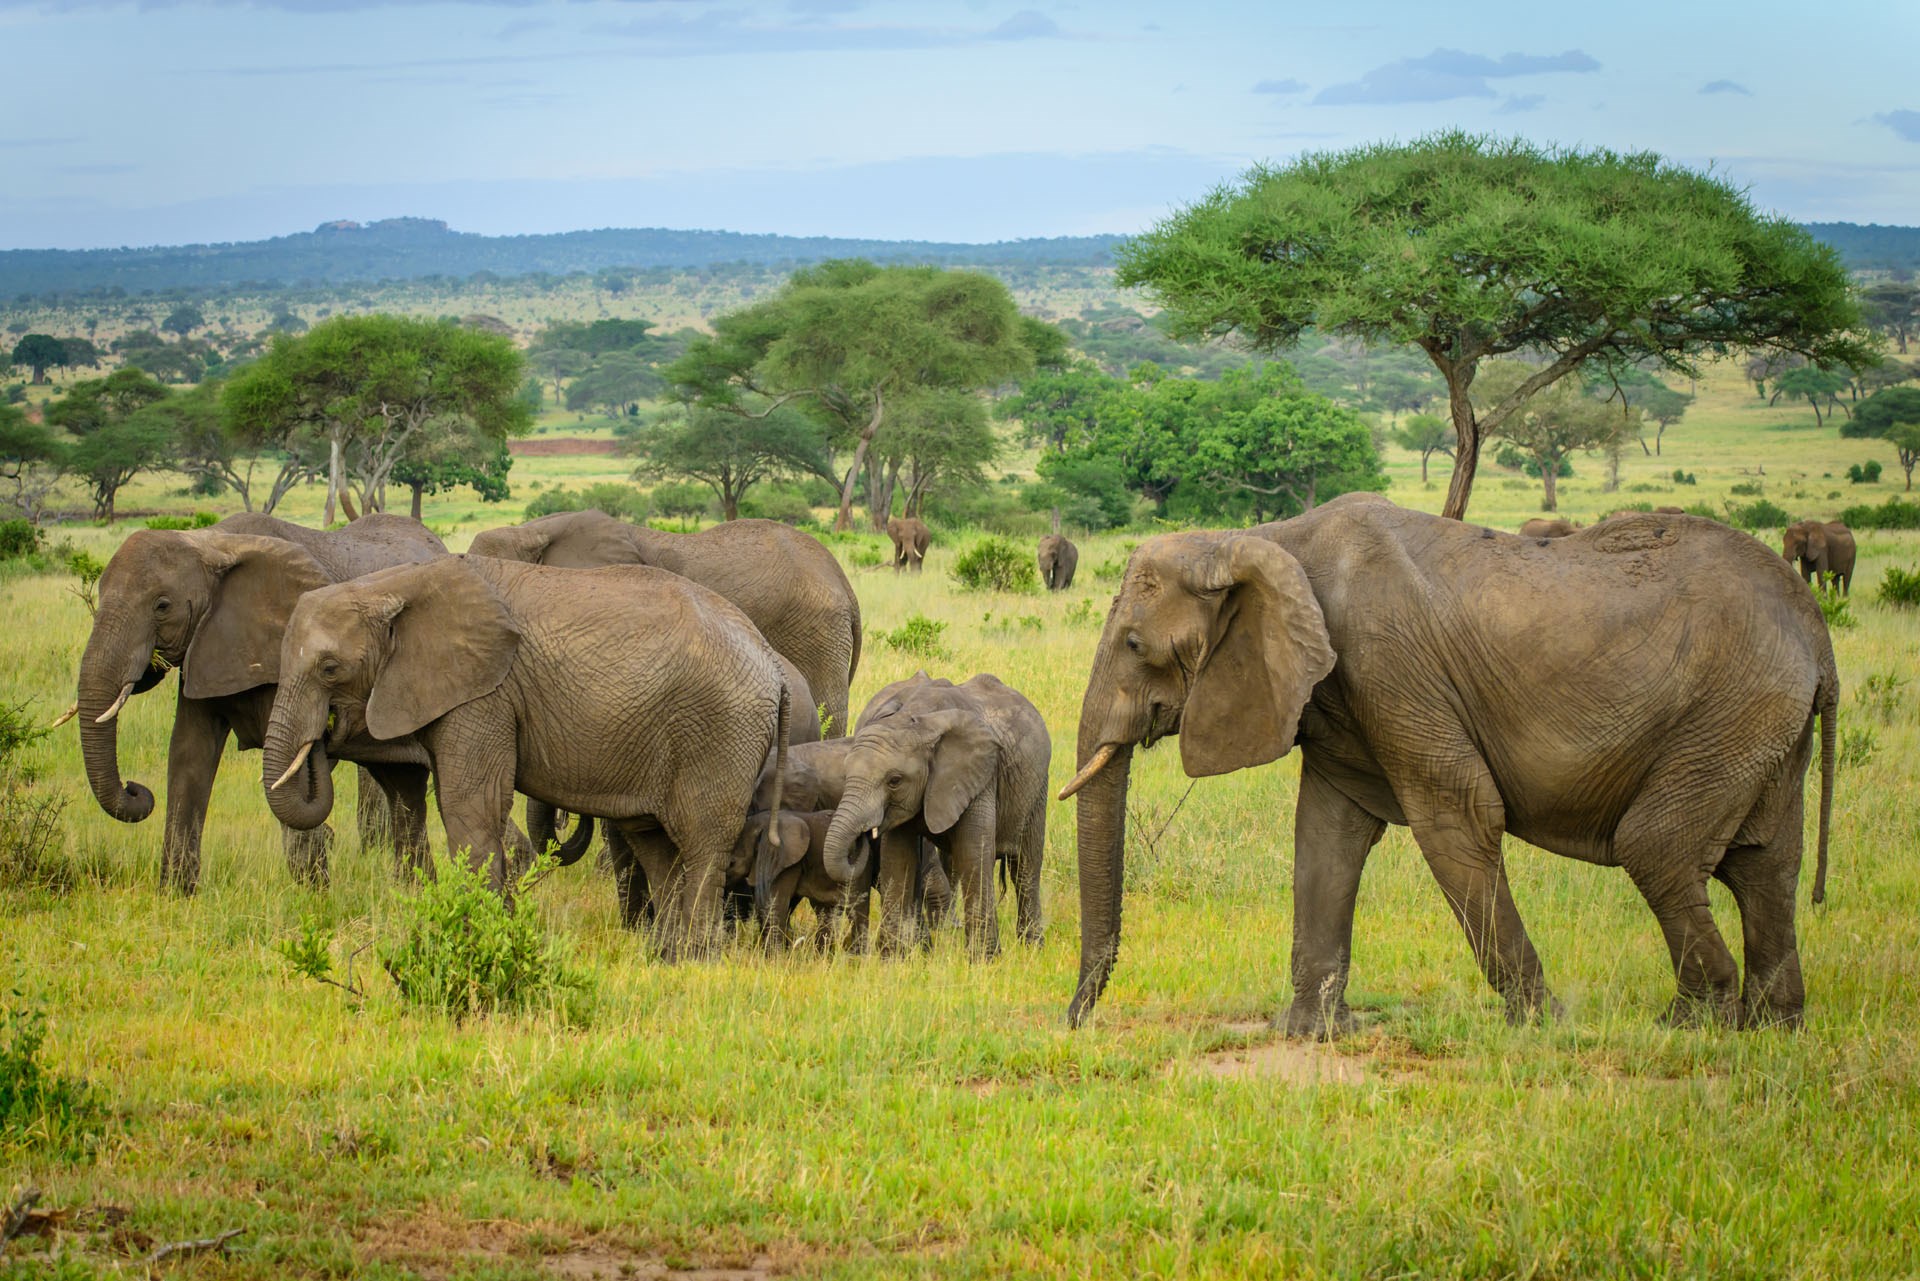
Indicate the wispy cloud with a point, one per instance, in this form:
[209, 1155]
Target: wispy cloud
[1726, 86]
[1515, 103]
[1280, 87]
[1446, 74]
[1904, 123]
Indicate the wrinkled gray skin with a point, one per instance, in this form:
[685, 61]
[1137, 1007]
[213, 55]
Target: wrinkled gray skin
[214, 603]
[911, 537]
[784, 875]
[785, 581]
[1468, 683]
[964, 766]
[1058, 559]
[1542, 527]
[1824, 551]
[628, 694]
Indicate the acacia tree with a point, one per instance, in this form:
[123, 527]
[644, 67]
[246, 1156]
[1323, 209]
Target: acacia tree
[1814, 385]
[1890, 307]
[1550, 426]
[1892, 415]
[1279, 446]
[942, 436]
[729, 453]
[32, 460]
[39, 353]
[1426, 435]
[1058, 409]
[444, 460]
[1472, 248]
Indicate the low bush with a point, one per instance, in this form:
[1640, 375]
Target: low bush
[919, 636]
[1880, 695]
[996, 564]
[683, 501]
[20, 538]
[29, 817]
[1867, 475]
[788, 504]
[199, 520]
[1684, 477]
[1748, 489]
[1892, 514]
[1858, 743]
[39, 1109]
[1900, 587]
[1757, 515]
[621, 501]
[1835, 609]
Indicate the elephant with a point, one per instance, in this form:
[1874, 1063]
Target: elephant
[964, 766]
[214, 603]
[1058, 559]
[910, 537]
[785, 581]
[1670, 510]
[785, 873]
[627, 693]
[1542, 527]
[1824, 550]
[1467, 683]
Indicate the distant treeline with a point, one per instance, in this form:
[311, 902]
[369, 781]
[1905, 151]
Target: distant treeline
[1872, 247]
[414, 248]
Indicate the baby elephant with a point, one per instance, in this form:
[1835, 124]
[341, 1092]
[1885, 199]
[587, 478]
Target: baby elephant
[1541, 527]
[1058, 559]
[782, 876]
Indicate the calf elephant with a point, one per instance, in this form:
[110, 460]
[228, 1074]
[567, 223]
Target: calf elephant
[1823, 550]
[1058, 559]
[793, 869]
[626, 693]
[786, 582]
[1542, 527]
[1466, 684]
[964, 766]
[214, 603]
[910, 537]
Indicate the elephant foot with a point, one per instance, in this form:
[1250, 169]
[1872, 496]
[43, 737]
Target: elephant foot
[1316, 1020]
[180, 875]
[1689, 1011]
[1543, 1007]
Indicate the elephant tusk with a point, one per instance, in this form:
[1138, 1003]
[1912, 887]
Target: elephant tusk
[300, 758]
[1094, 766]
[118, 703]
[876, 833]
[66, 716]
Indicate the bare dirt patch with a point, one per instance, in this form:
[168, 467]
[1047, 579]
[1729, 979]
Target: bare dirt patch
[562, 447]
[1268, 1055]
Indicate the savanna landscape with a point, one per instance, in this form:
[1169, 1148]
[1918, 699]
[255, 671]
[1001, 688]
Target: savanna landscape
[238, 1084]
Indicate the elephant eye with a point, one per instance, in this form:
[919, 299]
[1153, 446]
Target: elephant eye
[894, 780]
[329, 669]
[1133, 642]
[162, 605]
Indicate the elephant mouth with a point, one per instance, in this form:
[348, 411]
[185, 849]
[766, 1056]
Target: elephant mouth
[1162, 722]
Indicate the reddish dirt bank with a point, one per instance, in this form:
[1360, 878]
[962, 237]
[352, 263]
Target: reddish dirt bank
[562, 446]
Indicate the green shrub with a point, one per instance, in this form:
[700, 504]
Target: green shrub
[1081, 613]
[1757, 515]
[623, 502]
[682, 500]
[465, 949]
[86, 569]
[996, 564]
[19, 538]
[169, 522]
[1892, 514]
[1835, 609]
[1511, 457]
[1880, 695]
[38, 1108]
[1703, 510]
[787, 504]
[1867, 475]
[1900, 587]
[919, 635]
[1684, 477]
[1748, 489]
[29, 818]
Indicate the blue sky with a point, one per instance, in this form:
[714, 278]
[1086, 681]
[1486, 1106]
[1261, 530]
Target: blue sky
[165, 121]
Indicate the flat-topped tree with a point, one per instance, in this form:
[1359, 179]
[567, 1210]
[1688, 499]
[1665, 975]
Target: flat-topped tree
[1471, 247]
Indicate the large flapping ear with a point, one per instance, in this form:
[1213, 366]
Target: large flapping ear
[965, 763]
[452, 641]
[258, 581]
[1268, 650]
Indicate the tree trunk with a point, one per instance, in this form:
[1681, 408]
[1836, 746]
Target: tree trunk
[1466, 450]
[346, 505]
[1549, 477]
[418, 490]
[333, 478]
[1656, 439]
[1424, 455]
[729, 505]
[844, 519]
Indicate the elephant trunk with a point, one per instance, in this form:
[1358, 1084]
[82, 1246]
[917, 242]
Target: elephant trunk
[113, 668]
[861, 809]
[1102, 815]
[542, 827]
[294, 765]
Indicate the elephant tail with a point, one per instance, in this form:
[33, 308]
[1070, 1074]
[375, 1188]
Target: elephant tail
[779, 763]
[853, 662]
[1828, 704]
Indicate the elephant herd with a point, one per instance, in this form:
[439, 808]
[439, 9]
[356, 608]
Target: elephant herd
[1646, 693]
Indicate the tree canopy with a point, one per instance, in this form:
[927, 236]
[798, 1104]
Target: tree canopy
[729, 453]
[39, 353]
[1471, 247]
[1892, 415]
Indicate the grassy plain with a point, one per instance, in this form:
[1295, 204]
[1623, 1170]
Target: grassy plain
[751, 1116]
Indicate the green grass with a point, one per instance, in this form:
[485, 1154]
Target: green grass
[929, 1117]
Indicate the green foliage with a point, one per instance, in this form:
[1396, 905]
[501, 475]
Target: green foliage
[683, 501]
[1835, 608]
[1763, 514]
[1089, 491]
[29, 816]
[465, 950]
[1868, 474]
[1901, 587]
[41, 352]
[1880, 695]
[19, 537]
[996, 564]
[1858, 743]
[39, 1109]
[199, 520]
[86, 569]
[1684, 477]
[1082, 613]
[623, 502]
[919, 636]
[789, 504]
[1748, 489]
[728, 453]
[1892, 514]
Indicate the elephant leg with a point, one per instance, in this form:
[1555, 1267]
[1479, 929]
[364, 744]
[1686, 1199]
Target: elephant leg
[308, 854]
[899, 882]
[1764, 880]
[405, 790]
[1028, 854]
[826, 927]
[630, 876]
[936, 889]
[372, 810]
[475, 791]
[1331, 839]
[973, 863]
[690, 922]
[193, 758]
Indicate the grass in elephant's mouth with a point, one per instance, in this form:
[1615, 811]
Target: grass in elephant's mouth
[856, 1118]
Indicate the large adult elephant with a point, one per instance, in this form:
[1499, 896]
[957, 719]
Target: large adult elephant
[1823, 550]
[1468, 683]
[785, 581]
[626, 693]
[911, 538]
[214, 603]
[1058, 559]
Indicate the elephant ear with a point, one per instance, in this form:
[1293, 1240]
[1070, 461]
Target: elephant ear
[450, 641]
[965, 761]
[257, 582]
[1268, 650]
[526, 543]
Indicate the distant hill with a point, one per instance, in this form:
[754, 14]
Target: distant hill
[410, 248]
[1871, 247]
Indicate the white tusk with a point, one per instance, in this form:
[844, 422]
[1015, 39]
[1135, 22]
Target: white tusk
[113, 711]
[1094, 766]
[300, 758]
[876, 833]
[66, 716]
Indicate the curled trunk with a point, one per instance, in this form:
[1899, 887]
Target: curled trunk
[859, 811]
[543, 827]
[304, 800]
[110, 664]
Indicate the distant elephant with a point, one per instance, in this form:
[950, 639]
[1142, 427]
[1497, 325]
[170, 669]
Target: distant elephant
[1824, 551]
[784, 874]
[1541, 527]
[214, 603]
[1669, 511]
[964, 766]
[1468, 684]
[785, 581]
[1058, 559]
[627, 693]
[910, 537]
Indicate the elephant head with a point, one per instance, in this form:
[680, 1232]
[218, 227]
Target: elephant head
[759, 859]
[385, 654]
[565, 540]
[1804, 545]
[211, 603]
[1215, 637]
[905, 764]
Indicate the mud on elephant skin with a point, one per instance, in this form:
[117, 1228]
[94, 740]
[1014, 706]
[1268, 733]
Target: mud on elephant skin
[784, 580]
[214, 604]
[1407, 657]
[629, 694]
[964, 767]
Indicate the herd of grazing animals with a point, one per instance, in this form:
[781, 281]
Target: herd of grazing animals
[689, 694]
